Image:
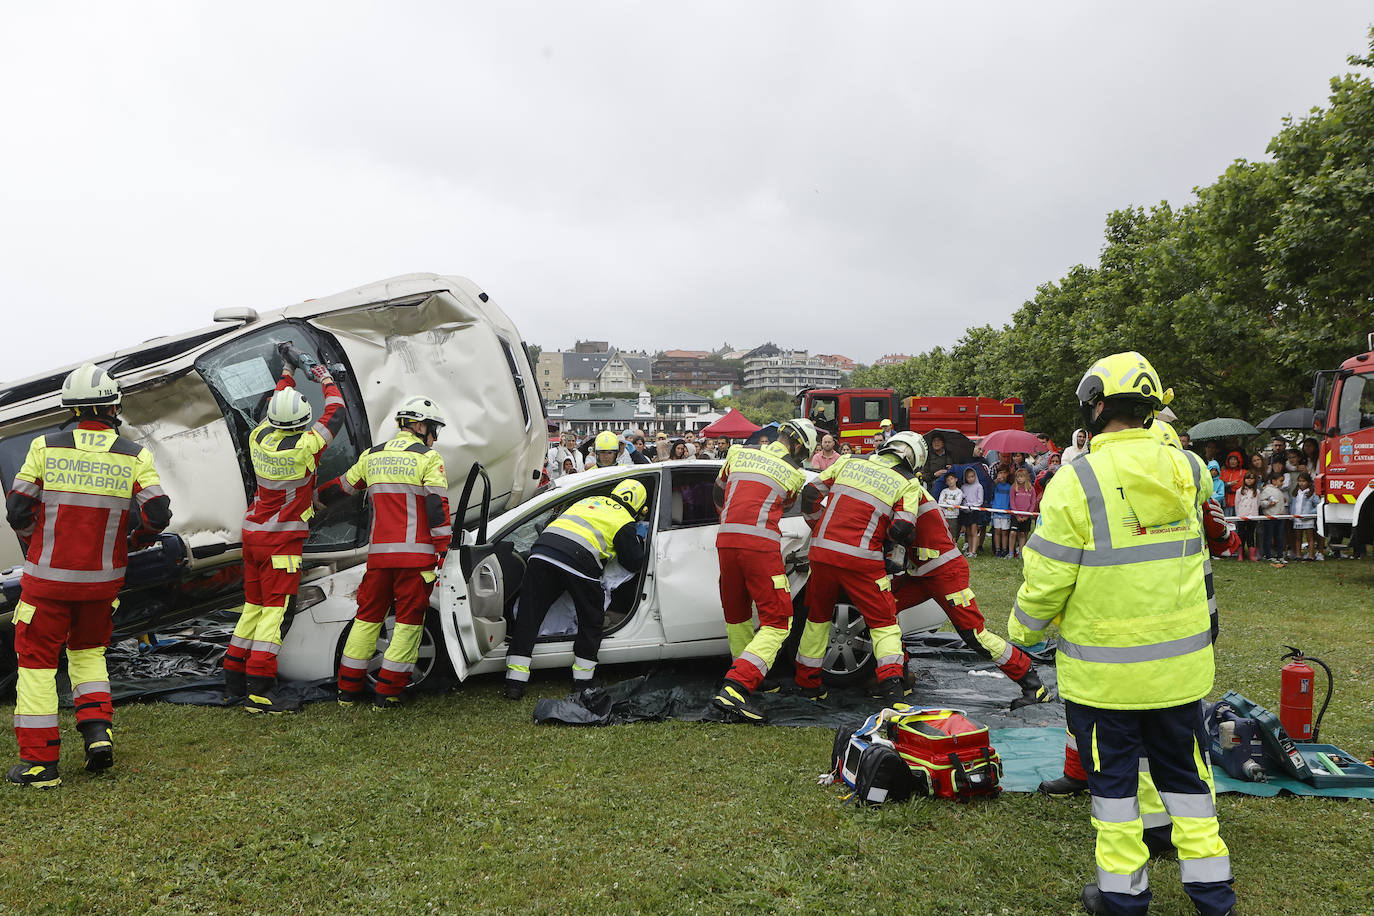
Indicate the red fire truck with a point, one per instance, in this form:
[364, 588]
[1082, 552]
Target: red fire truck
[1343, 415]
[854, 415]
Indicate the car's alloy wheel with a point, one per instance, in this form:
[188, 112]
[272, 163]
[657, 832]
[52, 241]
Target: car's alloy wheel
[849, 659]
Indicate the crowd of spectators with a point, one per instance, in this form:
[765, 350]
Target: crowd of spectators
[1267, 494]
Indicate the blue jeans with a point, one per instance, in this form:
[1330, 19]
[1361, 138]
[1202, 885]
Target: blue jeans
[1272, 531]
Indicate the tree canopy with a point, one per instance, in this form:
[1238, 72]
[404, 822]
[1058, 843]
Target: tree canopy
[1236, 298]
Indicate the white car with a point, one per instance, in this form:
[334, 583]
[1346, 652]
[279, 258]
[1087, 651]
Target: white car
[669, 609]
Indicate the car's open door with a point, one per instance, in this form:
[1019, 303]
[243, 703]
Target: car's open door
[473, 589]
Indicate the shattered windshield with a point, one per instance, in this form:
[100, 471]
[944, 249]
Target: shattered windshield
[243, 374]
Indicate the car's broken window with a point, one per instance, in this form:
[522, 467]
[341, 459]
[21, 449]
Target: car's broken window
[243, 374]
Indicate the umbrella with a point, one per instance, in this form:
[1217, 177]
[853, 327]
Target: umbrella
[958, 447]
[1222, 428]
[1295, 418]
[1012, 440]
[770, 430]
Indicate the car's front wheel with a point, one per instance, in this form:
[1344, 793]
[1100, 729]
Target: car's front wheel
[849, 660]
[431, 662]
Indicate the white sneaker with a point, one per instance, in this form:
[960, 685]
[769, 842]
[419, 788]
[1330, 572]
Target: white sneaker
[1320, 557]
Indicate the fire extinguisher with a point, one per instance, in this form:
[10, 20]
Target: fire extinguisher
[1295, 695]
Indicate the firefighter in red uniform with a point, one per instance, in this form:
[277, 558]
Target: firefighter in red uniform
[405, 481]
[285, 449]
[934, 568]
[857, 508]
[70, 506]
[753, 489]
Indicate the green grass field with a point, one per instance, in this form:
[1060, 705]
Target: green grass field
[459, 804]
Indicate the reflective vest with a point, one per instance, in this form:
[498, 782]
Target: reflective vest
[760, 484]
[404, 479]
[1118, 551]
[864, 496]
[592, 525]
[84, 482]
[285, 463]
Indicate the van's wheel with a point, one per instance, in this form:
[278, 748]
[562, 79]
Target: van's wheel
[849, 660]
[431, 662]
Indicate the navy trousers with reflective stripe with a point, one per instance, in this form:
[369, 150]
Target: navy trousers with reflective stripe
[541, 587]
[1111, 743]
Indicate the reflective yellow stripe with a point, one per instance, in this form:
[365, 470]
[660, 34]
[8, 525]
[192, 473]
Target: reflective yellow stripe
[739, 635]
[35, 692]
[287, 562]
[962, 598]
[860, 432]
[1097, 761]
[24, 612]
[405, 644]
[362, 640]
[780, 583]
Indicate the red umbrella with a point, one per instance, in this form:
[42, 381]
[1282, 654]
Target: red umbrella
[734, 425]
[1012, 440]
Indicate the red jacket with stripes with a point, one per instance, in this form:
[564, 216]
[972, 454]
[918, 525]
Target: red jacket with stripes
[70, 504]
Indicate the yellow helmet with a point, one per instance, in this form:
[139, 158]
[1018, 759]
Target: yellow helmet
[632, 495]
[607, 441]
[1120, 381]
[1165, 434]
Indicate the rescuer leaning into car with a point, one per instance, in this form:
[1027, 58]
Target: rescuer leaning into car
[285, 449]
[858, 506]
[70, 507]
[755, 487]
[404, 479]
[570, 557]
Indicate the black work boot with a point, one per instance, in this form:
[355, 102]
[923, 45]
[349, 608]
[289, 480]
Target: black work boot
[891, 690]
[738, 703]
[34, 775]
[814, 693]
[382, 703]
[1032, 691]
[99, 738]
[262, 697]
[515, 689]
[1092, 901]
[1063, 787]
[235, 687]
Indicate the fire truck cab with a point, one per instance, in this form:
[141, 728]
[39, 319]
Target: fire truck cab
[852, 415]
[1343, 416]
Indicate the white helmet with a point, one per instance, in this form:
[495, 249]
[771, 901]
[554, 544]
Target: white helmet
[802, 430]
[908, 446]
[88, 385]
[288, 409]
[418, 407]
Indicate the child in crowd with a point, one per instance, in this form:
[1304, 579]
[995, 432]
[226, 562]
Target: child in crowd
[1218, 485]
[951, 498]
[1001, 521]
[972, 515]
[1247, 503]
[1305, 529]
[1231, 475]
[1273, 501]
[1022, 500]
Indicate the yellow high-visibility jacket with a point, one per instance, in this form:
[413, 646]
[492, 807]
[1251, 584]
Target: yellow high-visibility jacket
[1118, 555]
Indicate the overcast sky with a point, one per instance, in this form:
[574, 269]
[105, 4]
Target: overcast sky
[855, 178]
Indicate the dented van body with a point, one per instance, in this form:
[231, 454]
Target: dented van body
[192, 399]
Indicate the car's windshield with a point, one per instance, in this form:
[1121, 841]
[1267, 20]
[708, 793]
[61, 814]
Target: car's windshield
[243, 373]
[1356, 411]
